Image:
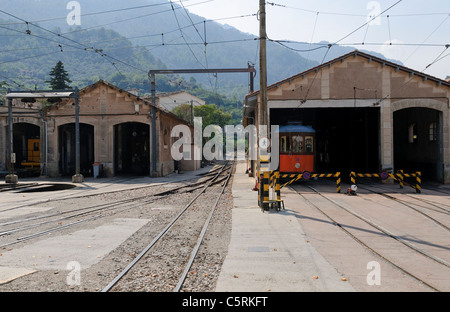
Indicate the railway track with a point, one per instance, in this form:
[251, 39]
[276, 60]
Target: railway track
[184, 225]
[62, 220]
[352, 219]
[417, 207]
[37, 187]
[154, 205]
[436, 206]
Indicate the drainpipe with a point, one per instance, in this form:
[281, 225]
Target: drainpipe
[46, 143]
[153, 82]
[78, 177]
[11, 178]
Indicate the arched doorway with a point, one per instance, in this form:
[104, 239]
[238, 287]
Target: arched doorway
[132, 149]
[418, 142]
[27, 147]
[67, 156]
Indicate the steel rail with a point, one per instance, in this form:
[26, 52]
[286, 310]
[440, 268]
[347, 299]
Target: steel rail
[202, 235]
[58, 228]
[428, 202]
[408, 204]
[91, 195]
[102, 208]
[159, 236]
[397, 238]
[362, 243]
[173, 190]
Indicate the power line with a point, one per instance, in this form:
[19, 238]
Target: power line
[437, 59]
[86, 48]
[355, 15]
[436, 29]
[159, 34]
[343, 38]
[368, 22]
[182, 34]
[98, 13]
[203, 39]
[111, 59]
[133, 18]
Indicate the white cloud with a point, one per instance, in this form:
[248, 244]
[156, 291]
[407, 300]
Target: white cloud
[394, 49]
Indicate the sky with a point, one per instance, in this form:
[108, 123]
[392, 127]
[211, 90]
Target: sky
[417, 33]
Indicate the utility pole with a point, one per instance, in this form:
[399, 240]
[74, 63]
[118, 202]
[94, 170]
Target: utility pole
[153, 172]
[78, 177]
[262, 108]
[152, 75]
[11, 178]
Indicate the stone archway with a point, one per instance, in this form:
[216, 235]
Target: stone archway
[418, 141]
[132, 149]
[67, 156]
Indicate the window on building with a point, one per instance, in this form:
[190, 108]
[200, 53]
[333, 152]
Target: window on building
[412, 133]
[166, 138]
[433, 131]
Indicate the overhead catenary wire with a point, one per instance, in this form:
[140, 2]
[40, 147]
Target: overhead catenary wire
[437, 59]
[191, 44]
[202, 38]
[183, 35]
[114, 61]
[80, 45]
[433, 32]
[134, 18]
[371, 19]
[312, 38]
[96, 13]
[353, 14]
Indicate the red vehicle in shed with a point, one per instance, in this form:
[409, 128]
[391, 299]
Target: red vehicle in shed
[297, 148]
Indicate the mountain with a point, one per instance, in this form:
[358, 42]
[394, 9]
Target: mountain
[123, 40]
[26, 59]
[174, 37]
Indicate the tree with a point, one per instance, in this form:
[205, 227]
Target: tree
[210, 113]
[59, 78]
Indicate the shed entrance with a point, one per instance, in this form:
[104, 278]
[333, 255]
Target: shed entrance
[347, 139]
[132, 149]
[27, 147]
[418, 142]
[67, 141]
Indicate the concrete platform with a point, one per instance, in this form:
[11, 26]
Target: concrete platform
[269, 251]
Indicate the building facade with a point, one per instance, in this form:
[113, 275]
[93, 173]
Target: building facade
[116, 134]
[370, 115]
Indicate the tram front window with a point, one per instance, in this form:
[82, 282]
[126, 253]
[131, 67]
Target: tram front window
[309, 144]
[297, 144]
[285, 144]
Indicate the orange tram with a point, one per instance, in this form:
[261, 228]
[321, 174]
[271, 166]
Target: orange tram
[297, 148]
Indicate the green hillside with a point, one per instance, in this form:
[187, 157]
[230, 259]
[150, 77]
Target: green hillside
[174, 36]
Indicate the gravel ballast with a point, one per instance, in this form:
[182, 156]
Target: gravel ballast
[159, 269]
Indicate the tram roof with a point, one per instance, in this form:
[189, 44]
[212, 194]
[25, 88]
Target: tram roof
[296, 128]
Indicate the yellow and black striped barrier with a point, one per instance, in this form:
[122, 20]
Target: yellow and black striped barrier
[306, 176]
[269, 180]
[399, 177]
